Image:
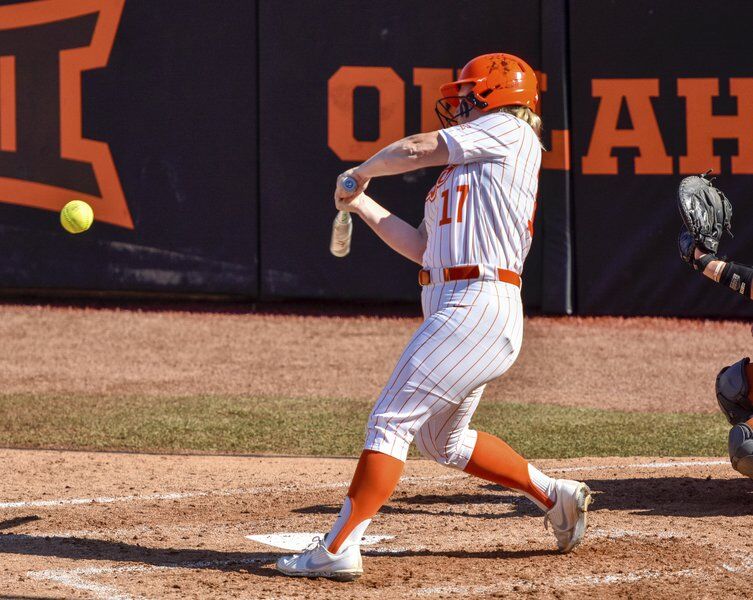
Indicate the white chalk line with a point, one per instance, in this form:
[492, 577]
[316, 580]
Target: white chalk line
[616, 534]
[77, 582]
[203, 494]
[79, 578]
[163, 496]
[167, 496]
[650, 465]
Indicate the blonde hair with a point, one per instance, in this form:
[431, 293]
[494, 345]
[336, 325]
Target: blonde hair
[525, 114]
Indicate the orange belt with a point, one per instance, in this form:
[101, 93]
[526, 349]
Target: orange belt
[467, 272]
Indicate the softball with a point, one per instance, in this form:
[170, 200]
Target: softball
[77, 216]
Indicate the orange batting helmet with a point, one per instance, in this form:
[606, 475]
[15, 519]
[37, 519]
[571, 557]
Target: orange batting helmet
[497, 79]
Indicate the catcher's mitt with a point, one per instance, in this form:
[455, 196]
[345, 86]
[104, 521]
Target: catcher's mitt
[686, 246]
[705, 210]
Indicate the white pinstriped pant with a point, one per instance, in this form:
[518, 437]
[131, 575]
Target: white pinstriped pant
[471, 334]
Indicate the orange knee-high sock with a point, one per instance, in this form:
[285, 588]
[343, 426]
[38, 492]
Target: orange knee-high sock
[493, 460]
[374, 481]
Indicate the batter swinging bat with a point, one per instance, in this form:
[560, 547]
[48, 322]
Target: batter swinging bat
[342, 227]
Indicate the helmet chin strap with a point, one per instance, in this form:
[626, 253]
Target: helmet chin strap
[464, 108]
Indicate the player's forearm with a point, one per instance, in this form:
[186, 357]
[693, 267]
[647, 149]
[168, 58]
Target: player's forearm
[408, 154]
[713, 270]
[402, 237]
[737, 277]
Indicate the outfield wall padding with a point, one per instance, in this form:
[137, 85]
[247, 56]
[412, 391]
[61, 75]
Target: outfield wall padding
[207, 137]
[174, 107]
[645, 61]
[329, 99]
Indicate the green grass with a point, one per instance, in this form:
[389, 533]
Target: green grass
[333, 426]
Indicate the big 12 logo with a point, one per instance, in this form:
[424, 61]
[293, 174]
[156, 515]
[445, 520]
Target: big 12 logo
[45, 160]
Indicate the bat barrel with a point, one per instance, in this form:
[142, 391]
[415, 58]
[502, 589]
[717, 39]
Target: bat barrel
[342, 231]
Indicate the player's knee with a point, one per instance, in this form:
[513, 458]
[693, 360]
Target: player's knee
[741, 449]
[448, 455]
[456, 459]
[450, 458]
[424, 447]
[732, 388]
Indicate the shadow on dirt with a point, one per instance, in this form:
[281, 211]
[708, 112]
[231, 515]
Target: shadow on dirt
[508, 505]
[11, 523]
[670, 496]
[256, 563]
[675, 496]
[667, 496]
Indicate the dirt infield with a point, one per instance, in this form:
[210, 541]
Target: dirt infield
[98, 525]
[134, 526]
[630, 364]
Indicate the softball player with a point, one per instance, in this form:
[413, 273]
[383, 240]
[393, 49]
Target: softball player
[472, 243]
[733, 383]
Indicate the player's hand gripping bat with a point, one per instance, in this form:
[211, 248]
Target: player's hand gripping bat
[342, 227]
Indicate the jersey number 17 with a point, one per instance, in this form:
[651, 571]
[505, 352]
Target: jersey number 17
[462, 191]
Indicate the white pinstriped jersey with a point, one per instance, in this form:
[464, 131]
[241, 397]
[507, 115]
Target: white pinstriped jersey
[481, 209]
[479, 212]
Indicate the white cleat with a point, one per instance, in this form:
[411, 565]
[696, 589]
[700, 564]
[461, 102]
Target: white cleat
[317, 561]
[568, 516]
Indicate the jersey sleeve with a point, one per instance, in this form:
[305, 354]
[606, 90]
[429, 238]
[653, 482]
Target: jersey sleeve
[490, 137]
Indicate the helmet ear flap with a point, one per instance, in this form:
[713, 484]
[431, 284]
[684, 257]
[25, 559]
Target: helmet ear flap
[476, 101]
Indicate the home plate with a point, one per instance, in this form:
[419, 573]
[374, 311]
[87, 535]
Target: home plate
[297, 542]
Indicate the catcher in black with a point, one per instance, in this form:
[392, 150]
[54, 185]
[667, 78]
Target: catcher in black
[707, 214]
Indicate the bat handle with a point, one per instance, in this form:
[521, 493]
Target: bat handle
[349, 184]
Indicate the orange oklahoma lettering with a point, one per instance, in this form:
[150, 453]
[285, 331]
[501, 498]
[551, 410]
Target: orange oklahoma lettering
[644, 135]
[341, 87]
[429, 80]
[8, 103]
[703, 127]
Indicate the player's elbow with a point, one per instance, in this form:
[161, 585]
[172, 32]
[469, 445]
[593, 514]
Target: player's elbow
[425, 149]
[417, 146]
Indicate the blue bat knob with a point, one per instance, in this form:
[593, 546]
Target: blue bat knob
[349, 184]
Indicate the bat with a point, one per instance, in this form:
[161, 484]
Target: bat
[342, 226]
